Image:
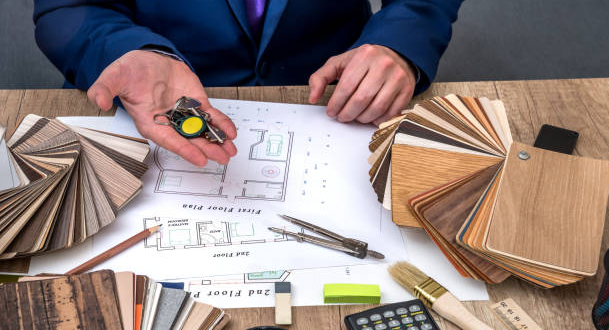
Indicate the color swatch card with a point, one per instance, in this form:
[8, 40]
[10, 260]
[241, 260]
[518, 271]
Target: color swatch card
[495, 207]
[103, 300]
[61, 184]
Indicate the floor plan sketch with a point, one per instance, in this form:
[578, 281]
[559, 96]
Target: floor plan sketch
[259, 171]
[184, 233]
[177, 176]
[269, 158]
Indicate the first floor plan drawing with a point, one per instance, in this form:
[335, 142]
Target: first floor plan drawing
[259, 171]
[185, 233]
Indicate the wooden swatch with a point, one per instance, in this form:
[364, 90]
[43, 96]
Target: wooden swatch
[443, 217]
[71, 183]
[562, 198]
[416, 169]
[87, 301]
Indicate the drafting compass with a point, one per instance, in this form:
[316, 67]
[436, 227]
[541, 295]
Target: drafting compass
[350, 246]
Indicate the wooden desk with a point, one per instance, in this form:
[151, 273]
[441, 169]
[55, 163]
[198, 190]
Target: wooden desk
[581, 105]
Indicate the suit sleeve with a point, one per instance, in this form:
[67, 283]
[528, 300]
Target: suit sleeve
[82, 37]
[419, 30]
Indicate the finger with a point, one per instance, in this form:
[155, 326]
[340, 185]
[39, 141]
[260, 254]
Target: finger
[349, 80]
[107, 86]
[363, 96]
[380, 104]
[218, 118]
[229, 147]
[212, 150]
[400, 103]
[166, 137]
[221, 121]
[322, 77]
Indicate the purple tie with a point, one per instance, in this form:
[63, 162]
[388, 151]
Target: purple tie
[255, 13]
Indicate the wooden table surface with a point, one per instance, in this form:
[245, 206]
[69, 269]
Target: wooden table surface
[580, 104]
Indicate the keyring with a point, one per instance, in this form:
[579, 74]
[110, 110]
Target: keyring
[190, 121]
[168, 123]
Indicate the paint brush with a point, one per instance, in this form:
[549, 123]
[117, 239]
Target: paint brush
[434, 296]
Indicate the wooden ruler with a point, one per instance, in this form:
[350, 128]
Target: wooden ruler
[513, 316]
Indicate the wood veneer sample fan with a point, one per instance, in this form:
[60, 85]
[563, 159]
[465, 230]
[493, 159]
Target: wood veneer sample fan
[417, 169]
[71, 183]
[442, 215]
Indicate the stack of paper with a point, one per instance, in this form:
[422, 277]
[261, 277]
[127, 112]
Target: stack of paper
[62, 184]
[105, 299]
[493, 206]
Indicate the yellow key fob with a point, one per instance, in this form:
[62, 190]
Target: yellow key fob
[190, 126]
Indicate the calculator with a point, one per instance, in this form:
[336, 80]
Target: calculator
[406, 315]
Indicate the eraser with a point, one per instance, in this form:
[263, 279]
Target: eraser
[352, 293]
[283, 287]
[283, 303]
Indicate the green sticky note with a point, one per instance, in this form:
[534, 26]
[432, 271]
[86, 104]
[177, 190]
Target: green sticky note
[352, 293]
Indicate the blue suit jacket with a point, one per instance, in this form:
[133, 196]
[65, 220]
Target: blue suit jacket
[81, 37]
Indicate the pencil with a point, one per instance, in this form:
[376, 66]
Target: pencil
[113, 251]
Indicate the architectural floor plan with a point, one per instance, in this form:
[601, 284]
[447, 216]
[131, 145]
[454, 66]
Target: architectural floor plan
[261, 172]
[185, 233]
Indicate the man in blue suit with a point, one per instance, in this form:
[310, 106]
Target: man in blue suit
[150, 52]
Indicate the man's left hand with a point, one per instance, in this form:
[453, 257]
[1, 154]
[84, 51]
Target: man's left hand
[374, 84]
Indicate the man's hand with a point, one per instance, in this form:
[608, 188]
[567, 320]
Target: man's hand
[374, 84]
[149, 83]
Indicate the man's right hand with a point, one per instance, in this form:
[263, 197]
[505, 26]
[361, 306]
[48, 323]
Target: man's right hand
[149, 83]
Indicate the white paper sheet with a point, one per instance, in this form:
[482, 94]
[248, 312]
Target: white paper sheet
[203, 273]
[292, 159]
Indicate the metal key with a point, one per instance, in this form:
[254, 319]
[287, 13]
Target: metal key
[214, 135]
[190, 121]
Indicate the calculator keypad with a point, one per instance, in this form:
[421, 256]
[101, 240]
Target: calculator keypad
[393, 323]
[407, 320]
[410, 315]
[388, 314]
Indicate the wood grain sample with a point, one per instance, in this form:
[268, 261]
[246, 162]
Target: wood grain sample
[416, 169]
[68, 187]
[445, 214]
[551, 210]
[87, 301]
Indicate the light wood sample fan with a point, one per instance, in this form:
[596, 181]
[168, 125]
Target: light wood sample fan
[62, 184]
[495, 207]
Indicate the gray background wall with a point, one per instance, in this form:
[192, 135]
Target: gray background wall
[492, 40]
